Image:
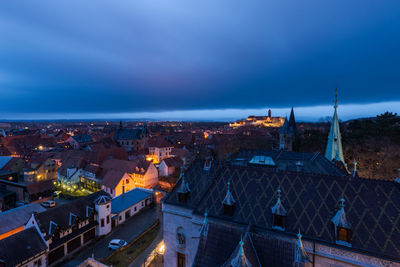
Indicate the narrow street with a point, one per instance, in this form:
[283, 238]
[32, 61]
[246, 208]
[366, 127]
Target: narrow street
[132, 228]
[145, 254]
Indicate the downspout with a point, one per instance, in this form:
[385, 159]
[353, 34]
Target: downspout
[313, 260]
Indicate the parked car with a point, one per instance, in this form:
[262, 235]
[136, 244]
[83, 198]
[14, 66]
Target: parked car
[49, 204]
[116, 244]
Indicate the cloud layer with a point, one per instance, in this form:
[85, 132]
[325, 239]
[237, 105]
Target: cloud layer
[150, 56]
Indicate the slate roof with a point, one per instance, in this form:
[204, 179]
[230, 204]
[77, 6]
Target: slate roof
[173, 162]
[112, 178]
[311, 201]
[139, 166]
[61, 214]
[4, 160]
[82, 138]
[127, 134]
[292, 161]
[14, 218]
[21, 246]
[261, 249]
[160, 143]
[130, 198]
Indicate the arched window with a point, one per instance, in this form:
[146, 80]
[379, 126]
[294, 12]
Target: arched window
[180, 237]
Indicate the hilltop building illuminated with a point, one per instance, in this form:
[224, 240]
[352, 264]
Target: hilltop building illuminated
[259, 121]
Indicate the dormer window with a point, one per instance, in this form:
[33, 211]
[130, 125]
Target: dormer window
[88, 211]
[342, 227]
[229, 202]
[279, 221]
[207, 164]
[343, 234]
[72, 218]
[279, 213]
[52, 227]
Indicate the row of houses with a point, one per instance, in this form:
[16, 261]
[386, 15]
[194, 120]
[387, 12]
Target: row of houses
[34, 236]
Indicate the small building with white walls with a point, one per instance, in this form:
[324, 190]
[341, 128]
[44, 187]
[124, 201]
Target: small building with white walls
[130, 203]
[103, 209]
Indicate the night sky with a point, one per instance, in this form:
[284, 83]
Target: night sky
[77, 59]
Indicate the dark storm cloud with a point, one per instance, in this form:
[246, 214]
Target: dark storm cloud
[133, 56]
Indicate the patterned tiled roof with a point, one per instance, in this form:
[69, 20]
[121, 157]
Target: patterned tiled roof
[291, 161]
[220, 247]
[311, 201]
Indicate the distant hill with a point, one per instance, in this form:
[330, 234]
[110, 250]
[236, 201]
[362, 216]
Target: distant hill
[373, 142]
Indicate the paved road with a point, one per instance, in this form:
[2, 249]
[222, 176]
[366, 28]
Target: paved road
[146, 253]
[132, 228]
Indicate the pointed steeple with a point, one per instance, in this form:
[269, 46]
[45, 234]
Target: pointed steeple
[228, 200]
[285, 127]
[301, 255]
[183, 187]
[278, 208]
[292, 121]
[334, 150]
[340, 220]
[240, 260]
[204, 227]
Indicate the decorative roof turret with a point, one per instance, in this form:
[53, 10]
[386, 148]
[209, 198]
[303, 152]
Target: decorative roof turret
[300, 255]
[103, 199]
[204, 227]
[228, 200]
[334, 150]
[183, 187]
[240, 260]
[340, 220]
[278, 208]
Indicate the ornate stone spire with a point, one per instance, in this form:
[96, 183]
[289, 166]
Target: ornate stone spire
[278, 208]
[183, 187]
[204, 227]
[300, 253]
[228, 200]
[240, 260]
[340, 220]
[334, 150]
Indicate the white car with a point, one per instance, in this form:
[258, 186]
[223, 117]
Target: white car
[116, 244]
[49, 204]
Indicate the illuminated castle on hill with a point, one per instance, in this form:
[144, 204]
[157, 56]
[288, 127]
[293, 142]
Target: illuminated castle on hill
[264, 121]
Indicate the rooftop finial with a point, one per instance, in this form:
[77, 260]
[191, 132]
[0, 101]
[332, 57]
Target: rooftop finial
[342, 201]
[354, 174]
[300, 254]
[228, 200]
[336, 99]
[299, 236]
[204, 227]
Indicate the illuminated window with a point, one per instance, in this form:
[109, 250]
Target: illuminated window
[343, 234]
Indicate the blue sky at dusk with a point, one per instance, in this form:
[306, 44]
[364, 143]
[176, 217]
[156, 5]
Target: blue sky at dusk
[198, 59]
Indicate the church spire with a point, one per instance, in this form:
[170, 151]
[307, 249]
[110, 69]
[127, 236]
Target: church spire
[292, 121]
[334, 150]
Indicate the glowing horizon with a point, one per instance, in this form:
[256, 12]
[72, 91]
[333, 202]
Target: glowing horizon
[307, 113]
